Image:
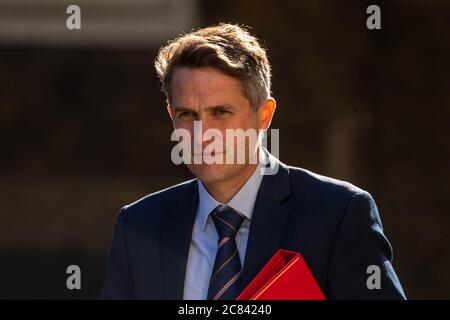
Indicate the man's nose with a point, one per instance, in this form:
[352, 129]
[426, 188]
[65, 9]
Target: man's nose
[200, 139]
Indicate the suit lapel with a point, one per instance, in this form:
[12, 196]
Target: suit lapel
[268, 220]
[175, 238]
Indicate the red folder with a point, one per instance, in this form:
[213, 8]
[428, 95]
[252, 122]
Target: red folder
[285, 277]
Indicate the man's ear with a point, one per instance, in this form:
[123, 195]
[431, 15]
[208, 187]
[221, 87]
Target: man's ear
[169, 110]
[266, 112]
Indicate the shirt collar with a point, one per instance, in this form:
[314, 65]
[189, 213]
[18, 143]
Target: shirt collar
[243, 201]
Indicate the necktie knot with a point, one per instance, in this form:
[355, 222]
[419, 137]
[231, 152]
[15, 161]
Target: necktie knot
[227, 222]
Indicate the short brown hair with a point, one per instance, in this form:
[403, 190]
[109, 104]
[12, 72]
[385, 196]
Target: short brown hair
[227, 47]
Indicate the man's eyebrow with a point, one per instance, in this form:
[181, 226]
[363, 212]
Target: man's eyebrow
[178, 109]
[220, 106]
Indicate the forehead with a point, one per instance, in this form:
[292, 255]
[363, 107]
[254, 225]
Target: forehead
[194, 87]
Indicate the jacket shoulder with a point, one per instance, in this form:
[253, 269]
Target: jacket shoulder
[156, 203]
[322, 188]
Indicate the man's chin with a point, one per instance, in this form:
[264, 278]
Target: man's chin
[209, 173]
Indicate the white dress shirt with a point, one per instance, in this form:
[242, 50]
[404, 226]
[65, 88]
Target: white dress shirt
[203, 247]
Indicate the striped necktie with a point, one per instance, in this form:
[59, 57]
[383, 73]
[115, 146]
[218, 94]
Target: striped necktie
[225, 282]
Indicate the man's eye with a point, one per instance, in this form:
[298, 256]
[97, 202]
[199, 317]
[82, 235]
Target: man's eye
[185, 114]
[221, 112]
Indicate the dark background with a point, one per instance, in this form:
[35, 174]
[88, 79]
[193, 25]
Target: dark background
[84, 131]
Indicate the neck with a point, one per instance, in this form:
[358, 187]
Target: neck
[223, 191]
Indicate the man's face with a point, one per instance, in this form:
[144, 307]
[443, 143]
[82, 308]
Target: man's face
[217, 100]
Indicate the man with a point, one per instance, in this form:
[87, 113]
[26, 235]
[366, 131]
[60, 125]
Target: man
[207, 238]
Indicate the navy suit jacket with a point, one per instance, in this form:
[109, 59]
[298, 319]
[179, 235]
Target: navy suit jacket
[333, 224]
